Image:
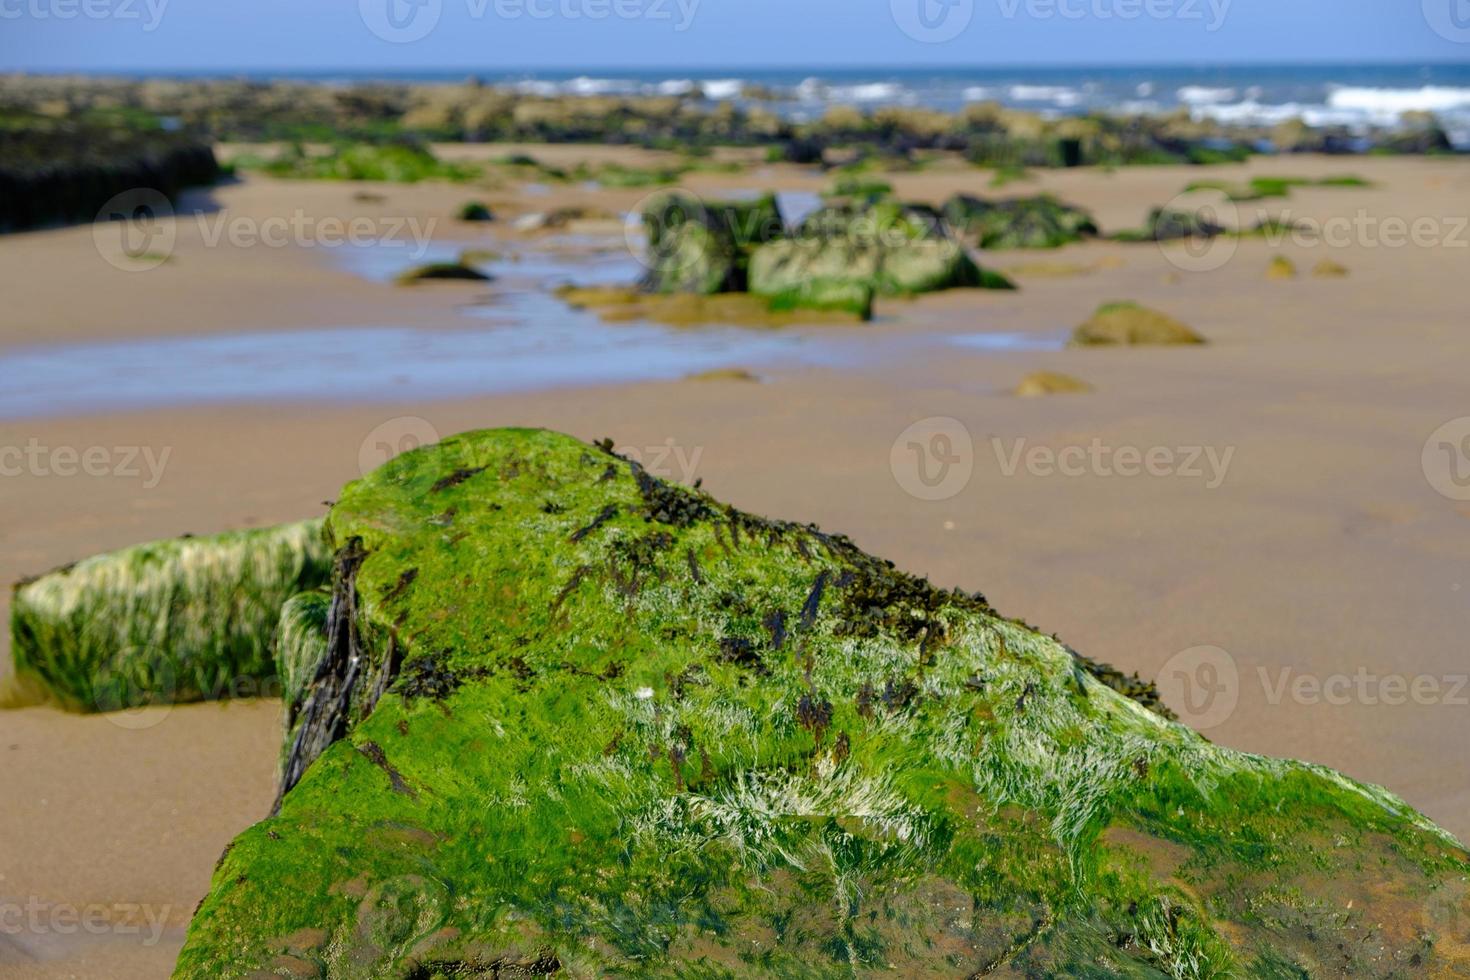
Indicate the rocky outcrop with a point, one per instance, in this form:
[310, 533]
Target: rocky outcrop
[185, 619]
[1167, 225]
[843, 255]
[572, 720]
[704, 247]
[1022, 222]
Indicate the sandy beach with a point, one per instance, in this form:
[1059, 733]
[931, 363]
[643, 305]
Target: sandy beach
[1287, 519]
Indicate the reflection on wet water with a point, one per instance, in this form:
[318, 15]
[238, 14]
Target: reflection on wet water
[518, 336]
[1002, 341]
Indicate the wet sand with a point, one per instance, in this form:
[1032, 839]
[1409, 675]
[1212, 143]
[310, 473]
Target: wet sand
[1323, 551]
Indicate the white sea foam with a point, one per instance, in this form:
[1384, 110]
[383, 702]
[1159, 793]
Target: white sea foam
[868, 92]
[1201, 95]
[596, 86]
[1059, 95]
[1268, 114]
[1393, 102]
[722, 88]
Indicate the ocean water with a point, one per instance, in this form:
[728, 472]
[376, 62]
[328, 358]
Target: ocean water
[1357, 96]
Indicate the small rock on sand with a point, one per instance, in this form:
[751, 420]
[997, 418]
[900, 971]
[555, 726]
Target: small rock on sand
[1050, 383]
[1130, 323]
[1281, 268]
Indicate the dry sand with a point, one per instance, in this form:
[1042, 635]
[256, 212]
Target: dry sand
[1323, 551]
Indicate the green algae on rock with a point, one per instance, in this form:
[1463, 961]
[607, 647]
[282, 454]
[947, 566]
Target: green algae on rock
[184, 619]
[1023, 222]
[859, 188]
[704, 246]
[1168, 224]
[1130, 323]
[573, 720]
[843, 255]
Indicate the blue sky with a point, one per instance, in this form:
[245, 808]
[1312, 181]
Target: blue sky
[493, 35]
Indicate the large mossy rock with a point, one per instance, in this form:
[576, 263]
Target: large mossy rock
[1022, 222]
[843, 255]
[184, 619]
[571, 720]
[703, 247]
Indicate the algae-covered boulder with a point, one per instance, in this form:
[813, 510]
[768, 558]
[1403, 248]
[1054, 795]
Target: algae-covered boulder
[1168, 224]
[1130, 323]
[185, 619]
[572, 720]
[1023, 222]
[859, 188]
[697, 246]
[842, 255]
